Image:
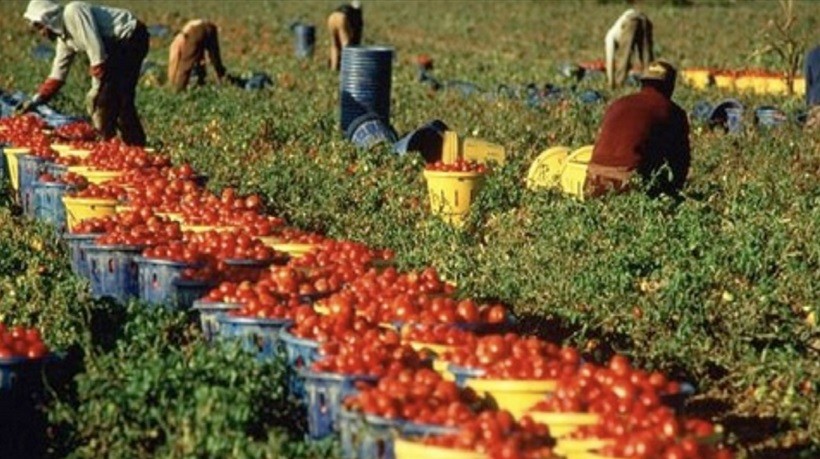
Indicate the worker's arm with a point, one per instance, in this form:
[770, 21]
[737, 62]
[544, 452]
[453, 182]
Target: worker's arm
[609, 44]
[212, 48]
[63, 57]
[80, 24]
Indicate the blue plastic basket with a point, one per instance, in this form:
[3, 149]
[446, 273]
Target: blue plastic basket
[257, 335]
[113, 270]
[189, 291]
[48, 204]
[300, 353]
[769, 117]
[76, 246]
[4, 175]
[28, 171]
[324, 395]
[209, 313]
[463, 374]
[11, 370]
[427, 140]
[367, 436]
[156, 280]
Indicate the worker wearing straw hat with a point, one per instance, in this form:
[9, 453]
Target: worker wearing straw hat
[644, 133]
[345, 25]
[629, 39]
[812, 76]
[116, 44]
[186, 56]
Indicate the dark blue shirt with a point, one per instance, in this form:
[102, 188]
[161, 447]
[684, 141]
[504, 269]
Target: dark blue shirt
[812, 74]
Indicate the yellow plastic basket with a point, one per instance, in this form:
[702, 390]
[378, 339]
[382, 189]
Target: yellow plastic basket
[587, 455]
[204, 228]
[82, 154]
[78, 209]
[452, 193]
[437, 349]
[800, 86]
[725, 81]
[61, 147]
[14, 165]
[545, 171]
[574, 174]
[562, 424]
[94, 176]
[406, 449]
[450, 150]
[515, 396]
[122, 208]
[483, 152]
[571, 447]
[173, 216]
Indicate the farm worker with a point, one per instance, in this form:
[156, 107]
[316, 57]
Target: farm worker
[187, 54]
[812, 75]
[345, 25]
[642, 133]
[115, 43]
[629, 38]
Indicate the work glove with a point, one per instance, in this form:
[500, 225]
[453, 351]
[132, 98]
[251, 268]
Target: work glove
[92, 96]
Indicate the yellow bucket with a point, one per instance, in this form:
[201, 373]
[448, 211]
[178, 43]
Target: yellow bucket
[563, 424]
[697, 78]
[751, 84]
[545, 171]
[14, 165]
[587, 455]
[452, 193]
[122, 209]
[78, 209]
[406, 449]
[94, 176]
[573, 447]
[777, 86]
[516, 396]
[438, 349]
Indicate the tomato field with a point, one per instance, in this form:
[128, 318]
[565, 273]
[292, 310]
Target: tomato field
[626, 296]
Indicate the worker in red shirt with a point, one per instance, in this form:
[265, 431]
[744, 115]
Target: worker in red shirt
[644, 133]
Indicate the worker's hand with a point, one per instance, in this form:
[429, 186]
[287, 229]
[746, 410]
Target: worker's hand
[24, 107]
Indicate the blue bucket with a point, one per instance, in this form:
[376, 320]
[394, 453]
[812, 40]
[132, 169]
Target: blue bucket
[769, 117]
[76, 246]
[209, 313]
[427, 140]
[48, 204]
[4, 175]
[28, 172]
[188, 291]
[367, 436]
[56, 170]
[325, 393]
[113, 270]
[701, 111]
[365, 82]
[305, 39]
[257, 335]
[727, 114]
[20, 376]
[156, 280]
[370, 130]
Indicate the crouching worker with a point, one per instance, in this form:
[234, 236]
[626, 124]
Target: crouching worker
[186, 56]
[629, 39]
[116, 44]
[345, 25]
[644, 133]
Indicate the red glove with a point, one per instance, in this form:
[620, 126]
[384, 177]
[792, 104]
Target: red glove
[47, 90]
[98, 71]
